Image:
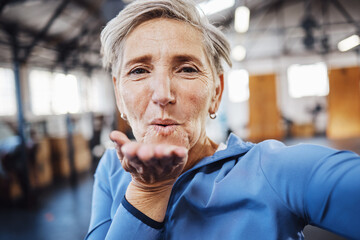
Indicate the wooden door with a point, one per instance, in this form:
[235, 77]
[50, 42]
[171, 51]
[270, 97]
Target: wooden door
[264, 115]
[344, 103]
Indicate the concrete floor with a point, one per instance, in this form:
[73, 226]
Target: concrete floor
[63, 212]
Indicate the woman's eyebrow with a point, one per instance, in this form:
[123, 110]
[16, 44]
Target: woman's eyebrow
[187, 58]
[141, 59]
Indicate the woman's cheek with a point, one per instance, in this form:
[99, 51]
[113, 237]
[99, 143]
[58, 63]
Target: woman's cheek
[199, 99]
[133, 97]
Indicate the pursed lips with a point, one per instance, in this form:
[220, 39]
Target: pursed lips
[164, 127]
[164, 122]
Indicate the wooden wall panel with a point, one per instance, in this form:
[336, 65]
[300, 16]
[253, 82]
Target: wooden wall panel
[344, 103]
[264, 115]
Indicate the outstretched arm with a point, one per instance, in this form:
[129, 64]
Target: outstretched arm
[319, 184]
[153, 169]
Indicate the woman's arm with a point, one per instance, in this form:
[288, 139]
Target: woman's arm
[319, 184]
[332, 199]
[140, 215]
[101, 201]
[154, 169]
[113, 217]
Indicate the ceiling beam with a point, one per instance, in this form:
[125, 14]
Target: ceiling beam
[30, 32]
[265, 6]
[45, 29]
[93, 9]
[3, 3]
[345, 13]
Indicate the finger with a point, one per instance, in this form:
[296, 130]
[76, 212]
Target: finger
[145, 152]
[119, 138]
[165, 150]
[130, 149]
[180, 152]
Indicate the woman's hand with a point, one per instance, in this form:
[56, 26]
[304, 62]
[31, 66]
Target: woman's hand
[154, 169]
[150, 165]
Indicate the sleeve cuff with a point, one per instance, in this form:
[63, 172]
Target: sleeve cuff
[141, 216]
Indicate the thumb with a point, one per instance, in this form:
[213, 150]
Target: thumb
[119, 138]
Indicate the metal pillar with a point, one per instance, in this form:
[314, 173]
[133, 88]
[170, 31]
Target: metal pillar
[71, 149]
[24, 168]
[19, 103]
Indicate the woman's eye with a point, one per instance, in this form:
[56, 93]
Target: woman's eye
[139, 71]
[188, 70]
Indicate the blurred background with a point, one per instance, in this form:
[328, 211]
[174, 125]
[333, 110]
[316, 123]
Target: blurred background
[296, 78]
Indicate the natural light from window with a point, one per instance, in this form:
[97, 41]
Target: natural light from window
[65, 94]
[308, 80]
[238, 85]
[53, 93]
[40, 92]
[7, 92]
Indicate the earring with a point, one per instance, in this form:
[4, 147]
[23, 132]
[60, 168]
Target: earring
[212, 115]
[123, 116]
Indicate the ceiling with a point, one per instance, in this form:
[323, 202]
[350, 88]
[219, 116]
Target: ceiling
[64, 34]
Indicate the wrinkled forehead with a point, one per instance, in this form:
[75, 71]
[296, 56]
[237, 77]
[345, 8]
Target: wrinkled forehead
[165, 35]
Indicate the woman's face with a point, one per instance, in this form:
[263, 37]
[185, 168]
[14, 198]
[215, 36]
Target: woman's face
[166, 86]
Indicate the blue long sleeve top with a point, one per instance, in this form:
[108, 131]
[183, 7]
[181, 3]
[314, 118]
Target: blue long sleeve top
[246, 191]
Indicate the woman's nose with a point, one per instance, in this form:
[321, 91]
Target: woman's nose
[162, 91]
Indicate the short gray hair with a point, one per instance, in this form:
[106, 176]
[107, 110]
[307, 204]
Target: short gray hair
[113, 36]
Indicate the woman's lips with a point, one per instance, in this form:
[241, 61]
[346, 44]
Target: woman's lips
[164, 127]
[166, 121]
[165, 130]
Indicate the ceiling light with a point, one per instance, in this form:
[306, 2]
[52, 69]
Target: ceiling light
[238, 53]
[242, 18]
[214, 6]
[349, 43]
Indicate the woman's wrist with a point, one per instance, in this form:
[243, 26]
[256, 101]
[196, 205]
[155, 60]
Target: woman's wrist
[150, 200]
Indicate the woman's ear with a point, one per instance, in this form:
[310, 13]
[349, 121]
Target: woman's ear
[219, 88]
[117, 96]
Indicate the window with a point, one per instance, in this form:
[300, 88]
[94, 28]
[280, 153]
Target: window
[7, 92]
[65, 97]
[238, 85]
[308, 80]
[53, 93]
[40, 90]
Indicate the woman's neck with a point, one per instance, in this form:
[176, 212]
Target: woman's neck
[202, 149]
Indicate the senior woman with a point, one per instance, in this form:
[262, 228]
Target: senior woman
[173, 182]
